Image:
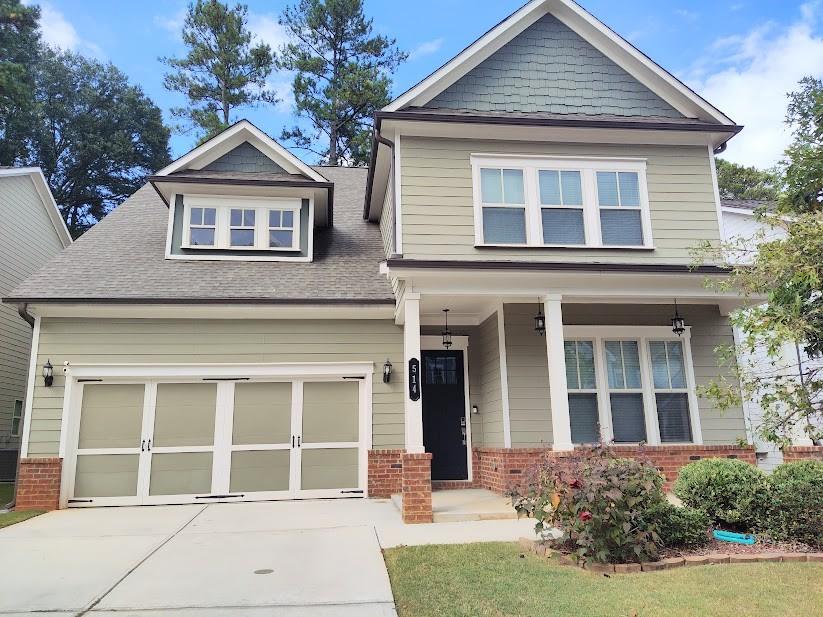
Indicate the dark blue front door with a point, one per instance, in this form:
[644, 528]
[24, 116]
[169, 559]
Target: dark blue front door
[444, 414]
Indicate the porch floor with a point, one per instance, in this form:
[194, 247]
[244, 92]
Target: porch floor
[467, 504]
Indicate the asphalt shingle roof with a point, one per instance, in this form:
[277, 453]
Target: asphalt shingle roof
[746, 204]
[122, 258]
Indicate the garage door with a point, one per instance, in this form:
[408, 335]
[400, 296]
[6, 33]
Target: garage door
[160, 442]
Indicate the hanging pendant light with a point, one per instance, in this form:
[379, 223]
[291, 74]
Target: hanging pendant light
[447, 335]
[540, 320]
[678, 323]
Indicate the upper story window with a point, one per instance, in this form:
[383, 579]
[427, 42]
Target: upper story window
[212, 222]
[557, 202]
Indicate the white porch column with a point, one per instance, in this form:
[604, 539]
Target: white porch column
[411, 349]
[561, 425]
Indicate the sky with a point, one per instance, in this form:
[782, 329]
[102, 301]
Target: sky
[742, 55]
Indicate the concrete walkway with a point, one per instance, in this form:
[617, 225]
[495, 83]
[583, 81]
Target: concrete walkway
[292, 559]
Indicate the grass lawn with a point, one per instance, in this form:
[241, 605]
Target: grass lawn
[6, 493]
[492, 579]
[10, 518]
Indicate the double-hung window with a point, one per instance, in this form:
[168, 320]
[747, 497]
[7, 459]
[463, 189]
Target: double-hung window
[621, 216]
[582, 386]
[247, 224]
[537, 201]
[16, 418]
[504, 205]
[671, 391]
[625, 390]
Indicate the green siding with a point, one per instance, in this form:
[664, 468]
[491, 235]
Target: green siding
[550, 68]
[387, 218]
[485, 389]
[27, 241]
[438, 213]
[528, 373]
[102, 341]
[245, 158]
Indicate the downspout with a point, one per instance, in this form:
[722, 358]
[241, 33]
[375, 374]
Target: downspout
[379, 139]
[721, 148]
[22, 310]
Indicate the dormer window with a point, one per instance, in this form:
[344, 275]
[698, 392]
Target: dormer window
[241, 223]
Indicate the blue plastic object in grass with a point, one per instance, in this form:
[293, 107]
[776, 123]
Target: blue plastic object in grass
[730, 536]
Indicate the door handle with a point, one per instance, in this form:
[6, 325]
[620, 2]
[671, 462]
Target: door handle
[298, 441]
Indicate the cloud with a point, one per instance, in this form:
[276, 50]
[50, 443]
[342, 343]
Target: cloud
[56, 31]
[171, 23]
[687, 15]
[266, 29]
[747, 76]
[426, 49]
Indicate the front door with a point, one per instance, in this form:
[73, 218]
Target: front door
[444, 414]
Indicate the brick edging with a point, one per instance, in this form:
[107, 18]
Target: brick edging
[669, 563]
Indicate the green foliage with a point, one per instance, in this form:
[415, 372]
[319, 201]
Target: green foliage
[730, 491]
[342, 76]
[740, 182]
[222, 69]
[783, 264]
[95, 136]
[796, 502]
[680, 527]
[599, 501]
[19, 52]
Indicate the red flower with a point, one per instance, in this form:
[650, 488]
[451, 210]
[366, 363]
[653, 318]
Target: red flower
[585, 516]
[575, 483]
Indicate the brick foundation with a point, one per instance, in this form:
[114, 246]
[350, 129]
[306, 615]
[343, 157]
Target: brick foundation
[385, 472]
[417, 488]
[38, 485]
[793, 454]
[501, 468]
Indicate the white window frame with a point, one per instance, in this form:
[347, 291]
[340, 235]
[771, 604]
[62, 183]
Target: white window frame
[643, 335]
[604, 420]
[655, 390]
[224, 204]
[16, 405]
[243, 227]
[588, 168]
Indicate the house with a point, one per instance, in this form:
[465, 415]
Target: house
[509, 278]
[32, 232]
[741, 223]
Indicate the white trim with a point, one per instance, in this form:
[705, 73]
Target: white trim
[643, 335]
[232, 137]
[412, 410]
[398, 201]
[459, 343]
[29, 400]
[504, 376]
[558, 394]
[595, 32]
[209, 370]
[588, 167]
[716, 190]
[47, 199]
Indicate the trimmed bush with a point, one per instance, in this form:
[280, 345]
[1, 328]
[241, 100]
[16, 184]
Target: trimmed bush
[732, 492]
[680, 527]
[796, 502]
[598, 501]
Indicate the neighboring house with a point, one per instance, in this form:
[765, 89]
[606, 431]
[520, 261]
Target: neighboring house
[224, 333]
[31, 232]
[740, 222]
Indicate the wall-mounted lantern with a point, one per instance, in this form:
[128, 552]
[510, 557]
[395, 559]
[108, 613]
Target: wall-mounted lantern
[678, 323]
[387, 371]
[48, 374]
[447, 334]
[475, 410]
[540, 320]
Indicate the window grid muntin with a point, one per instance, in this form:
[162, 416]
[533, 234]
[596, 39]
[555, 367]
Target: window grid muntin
[202, 224]
[282, 225]
[588, 167]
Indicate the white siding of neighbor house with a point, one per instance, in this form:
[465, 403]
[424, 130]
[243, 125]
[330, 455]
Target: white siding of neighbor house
[152, 341]
[438, 212]
[27, 241]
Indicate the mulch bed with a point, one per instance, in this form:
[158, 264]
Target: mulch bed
[763, 545]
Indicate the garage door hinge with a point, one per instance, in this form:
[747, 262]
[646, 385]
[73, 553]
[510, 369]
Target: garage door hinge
[81, 500]
[351, 492]
[217, 496]
[88, 380]
[353, 377]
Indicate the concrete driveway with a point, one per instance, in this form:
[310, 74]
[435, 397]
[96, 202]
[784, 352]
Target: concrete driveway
[321, 558]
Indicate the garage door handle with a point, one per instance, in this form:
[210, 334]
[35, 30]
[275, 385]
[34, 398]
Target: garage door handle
[149, 445]
[292, 441]
[298, 441]
[143, 446]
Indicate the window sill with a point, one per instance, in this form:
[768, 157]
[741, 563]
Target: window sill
[241, 249]
[590, 247]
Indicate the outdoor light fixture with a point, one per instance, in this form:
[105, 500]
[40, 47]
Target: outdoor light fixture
[475, 410]
[447, 334]
[387, 371]
[540, 320]
[48, 373]
[678, 324]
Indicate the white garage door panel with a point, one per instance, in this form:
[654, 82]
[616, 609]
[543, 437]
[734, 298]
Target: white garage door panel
[206, 440]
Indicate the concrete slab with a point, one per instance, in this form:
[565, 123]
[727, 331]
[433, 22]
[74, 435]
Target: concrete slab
[332, 610]
[227, 570]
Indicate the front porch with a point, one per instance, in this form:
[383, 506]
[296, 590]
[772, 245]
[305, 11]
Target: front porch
[504, 395]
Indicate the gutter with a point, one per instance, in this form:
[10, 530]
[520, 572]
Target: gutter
[520, 266]
[203, 301]
[22, 310]
[377, 139]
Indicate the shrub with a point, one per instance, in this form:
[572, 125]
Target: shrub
[796, 502]
[730, 491]
[680, 527]
[598, 501]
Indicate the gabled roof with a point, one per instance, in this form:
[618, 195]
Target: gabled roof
[47, 199]
[235, 135]
[626, 56]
